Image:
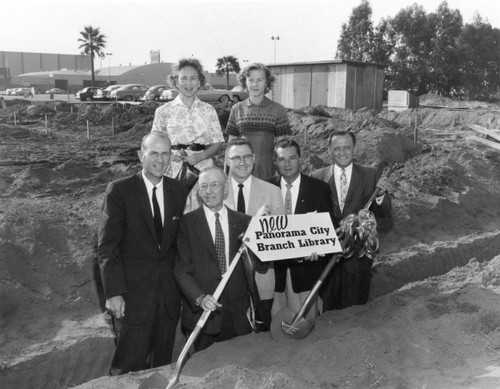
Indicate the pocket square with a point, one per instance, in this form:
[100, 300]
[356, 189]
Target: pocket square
[176, 218]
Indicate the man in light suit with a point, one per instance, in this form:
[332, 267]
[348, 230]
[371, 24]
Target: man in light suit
[296, 277]
[204, 257]
[351, 185]
[136, 253]
[247, 194]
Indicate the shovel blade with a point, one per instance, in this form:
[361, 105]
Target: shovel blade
[286, 326]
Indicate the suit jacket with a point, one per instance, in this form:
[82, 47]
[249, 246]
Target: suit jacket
[261, 192]
[313, 195]
[363, 183]
[131, 261]
[197, 271]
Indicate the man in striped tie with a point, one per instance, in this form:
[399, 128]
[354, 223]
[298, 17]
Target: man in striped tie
[351, 185]
[301, 194]
[207, 242]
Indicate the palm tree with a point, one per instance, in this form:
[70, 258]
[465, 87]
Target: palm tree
[227, 64]
[92, 43]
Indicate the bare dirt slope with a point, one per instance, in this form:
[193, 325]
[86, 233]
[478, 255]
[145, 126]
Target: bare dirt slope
[446, 212]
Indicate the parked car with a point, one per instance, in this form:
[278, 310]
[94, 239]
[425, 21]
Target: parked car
[103, 94]
[208, 94]
[88, 93]
[130, 92]
[56, 91]
[154, 93]
[169, 94]
[238, 94]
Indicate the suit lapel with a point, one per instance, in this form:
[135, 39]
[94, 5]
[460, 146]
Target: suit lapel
[203, 231]
[234, 227]
[303, 195]
[143, 200]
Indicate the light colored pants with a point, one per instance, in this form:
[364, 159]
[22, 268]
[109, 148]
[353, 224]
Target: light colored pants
[266, 283]
[294, 301]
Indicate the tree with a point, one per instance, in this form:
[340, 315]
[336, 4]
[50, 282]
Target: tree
[92, 43]
[356, 37]
[480, 47]
[227, 64]
[445, 60]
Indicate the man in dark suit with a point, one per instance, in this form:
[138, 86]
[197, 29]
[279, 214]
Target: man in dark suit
[207, 243]
[351, 185]
[301, 194]
[136, 252]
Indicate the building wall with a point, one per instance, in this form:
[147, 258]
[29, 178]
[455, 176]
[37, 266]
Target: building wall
[341, 84]
[23, 62]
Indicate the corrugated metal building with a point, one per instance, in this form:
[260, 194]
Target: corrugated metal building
[336, 83]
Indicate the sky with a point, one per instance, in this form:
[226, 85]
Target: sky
[308, 30]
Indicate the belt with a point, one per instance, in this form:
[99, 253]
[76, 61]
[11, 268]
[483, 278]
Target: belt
[192, 147]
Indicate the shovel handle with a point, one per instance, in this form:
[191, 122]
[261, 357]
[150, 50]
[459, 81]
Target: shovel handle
[174, 380]
[314, 291]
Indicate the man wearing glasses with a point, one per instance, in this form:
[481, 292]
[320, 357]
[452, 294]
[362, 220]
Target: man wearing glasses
[207, 243]
[247, 194]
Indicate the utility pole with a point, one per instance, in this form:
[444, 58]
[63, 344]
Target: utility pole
[109, 66]
[275, 39]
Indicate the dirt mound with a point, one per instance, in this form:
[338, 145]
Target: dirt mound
[446, 209]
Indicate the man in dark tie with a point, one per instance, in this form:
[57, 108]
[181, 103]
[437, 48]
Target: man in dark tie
[255, 194]
[207, 243]
[301, 194]
[136, 253]
[351, 185]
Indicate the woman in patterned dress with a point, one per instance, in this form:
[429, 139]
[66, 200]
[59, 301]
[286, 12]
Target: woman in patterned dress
[259, 119]
[192, 125]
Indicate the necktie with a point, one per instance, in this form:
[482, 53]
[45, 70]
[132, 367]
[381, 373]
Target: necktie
[241, 199]
[288, 200]
[343, 189]
[157, 217]
[220, 247]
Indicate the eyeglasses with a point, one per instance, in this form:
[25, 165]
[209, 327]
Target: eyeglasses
[213, 187]
[237, 158]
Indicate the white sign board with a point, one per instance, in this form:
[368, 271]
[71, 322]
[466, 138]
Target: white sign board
[277, 237]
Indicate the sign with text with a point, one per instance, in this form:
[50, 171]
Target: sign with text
[277, 237]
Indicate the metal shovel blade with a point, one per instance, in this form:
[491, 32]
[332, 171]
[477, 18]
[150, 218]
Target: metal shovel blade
[285, 326]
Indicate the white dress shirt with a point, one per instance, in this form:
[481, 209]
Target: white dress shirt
[224, 222]
[247, 185]
[159, 196]
[294, 191]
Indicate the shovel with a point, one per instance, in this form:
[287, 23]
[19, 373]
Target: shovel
[174, 380]
[289, 325]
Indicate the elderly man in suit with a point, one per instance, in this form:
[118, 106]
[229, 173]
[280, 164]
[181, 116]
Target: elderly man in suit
[136, 253]
[301, 194]
[351, 185]
[207, 243]
[247, 194]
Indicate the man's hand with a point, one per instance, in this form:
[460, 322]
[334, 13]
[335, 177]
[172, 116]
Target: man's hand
[208, 303]
[116, 305]
[263, 211]
[314, 257]
[384, 185]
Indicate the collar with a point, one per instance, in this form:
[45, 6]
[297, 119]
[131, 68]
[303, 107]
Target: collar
[247, 183]
[264, 103]
[338, 170]
[209, 214]
[149, 184]
[178, 102]
[295, 183]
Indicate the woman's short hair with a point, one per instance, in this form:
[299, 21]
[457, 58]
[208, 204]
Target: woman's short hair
[243, 75]
[173, 77]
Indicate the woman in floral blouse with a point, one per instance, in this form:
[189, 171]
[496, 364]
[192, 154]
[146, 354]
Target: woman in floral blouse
[192, 125]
